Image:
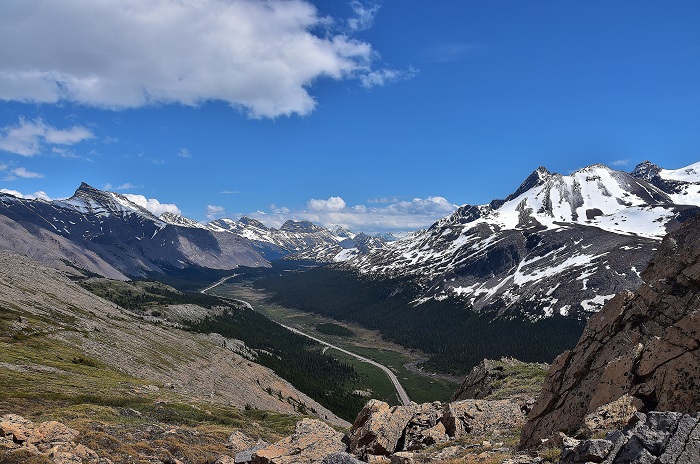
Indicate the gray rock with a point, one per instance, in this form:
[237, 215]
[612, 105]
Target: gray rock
[634, 452]
[247, 455]
[655, 437]
[691, 453]
[340, 458]
[677, 444]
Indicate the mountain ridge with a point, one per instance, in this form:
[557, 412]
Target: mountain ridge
[558, 244]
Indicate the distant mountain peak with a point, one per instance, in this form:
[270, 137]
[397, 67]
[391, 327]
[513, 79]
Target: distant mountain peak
[247, 221]
[646, 170]
[89, 198]
[179, 220]
[300, 226]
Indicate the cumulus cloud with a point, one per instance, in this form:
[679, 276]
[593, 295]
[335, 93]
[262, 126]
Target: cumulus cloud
[620, 162]
[332, 204]
[27, 138]
[25, 174]
[261, 56]
[398, 216]
[214, 212]
[151, 204]
[32, 196]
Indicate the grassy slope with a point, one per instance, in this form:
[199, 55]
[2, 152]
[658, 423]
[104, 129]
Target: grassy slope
[44, 378]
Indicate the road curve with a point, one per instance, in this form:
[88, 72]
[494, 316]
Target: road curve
[400, 391]
[403, 396]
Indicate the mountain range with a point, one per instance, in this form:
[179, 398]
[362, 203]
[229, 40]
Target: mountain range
[105, 233]
[560, 244]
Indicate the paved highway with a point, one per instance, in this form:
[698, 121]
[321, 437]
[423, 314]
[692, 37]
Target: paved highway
[403, 396]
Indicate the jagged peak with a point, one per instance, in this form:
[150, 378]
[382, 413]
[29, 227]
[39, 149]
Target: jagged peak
[299, 226]
[90, 198]
[248, 221]
[538, 177]
[646, 170]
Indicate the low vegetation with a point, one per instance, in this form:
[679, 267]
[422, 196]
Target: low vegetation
[45, 376]
[338, 330]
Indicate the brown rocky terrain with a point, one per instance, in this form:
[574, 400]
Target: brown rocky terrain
[642, 344]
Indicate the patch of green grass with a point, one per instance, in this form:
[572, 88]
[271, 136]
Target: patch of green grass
[518, 379]
[420, 389]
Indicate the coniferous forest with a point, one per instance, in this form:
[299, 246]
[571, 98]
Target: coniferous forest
[455, 337]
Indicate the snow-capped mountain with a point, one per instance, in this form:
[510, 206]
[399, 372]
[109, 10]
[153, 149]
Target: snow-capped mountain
[560, 244]
[300, 240]
[682, 185]
[106, 233]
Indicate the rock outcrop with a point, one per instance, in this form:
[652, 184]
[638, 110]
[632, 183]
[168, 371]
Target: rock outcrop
[50, 439]
[490, 378]
[381, 430]
[656, 437]
[644, 344]
[311, 442]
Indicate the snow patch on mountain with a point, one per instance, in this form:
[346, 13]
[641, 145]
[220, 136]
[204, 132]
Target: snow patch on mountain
[558, 245]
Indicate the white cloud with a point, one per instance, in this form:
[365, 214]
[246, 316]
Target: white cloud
[32, 196]
[152, 205]
[621, 162]
[126, 186]
[23, 173]
[364, 15]
[28, 137]
[398, 216]
[184, 153]
[214, 212]
[386, 76]
[332, 204]
[260, 56]
[229, 192]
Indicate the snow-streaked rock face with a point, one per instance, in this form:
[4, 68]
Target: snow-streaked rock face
[559, 245]
[682, 185]
[106, 233]
[301, 240]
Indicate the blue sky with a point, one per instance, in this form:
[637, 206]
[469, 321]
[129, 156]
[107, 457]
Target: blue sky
[374, 115]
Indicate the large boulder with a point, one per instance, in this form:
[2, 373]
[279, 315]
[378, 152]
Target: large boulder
[311, 442]
[644, 344]
[379, 427]
[656, 437]
[481, 417]
[47, 440]
[425, 427]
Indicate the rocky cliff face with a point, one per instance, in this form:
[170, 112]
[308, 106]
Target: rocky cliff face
[644, 344]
